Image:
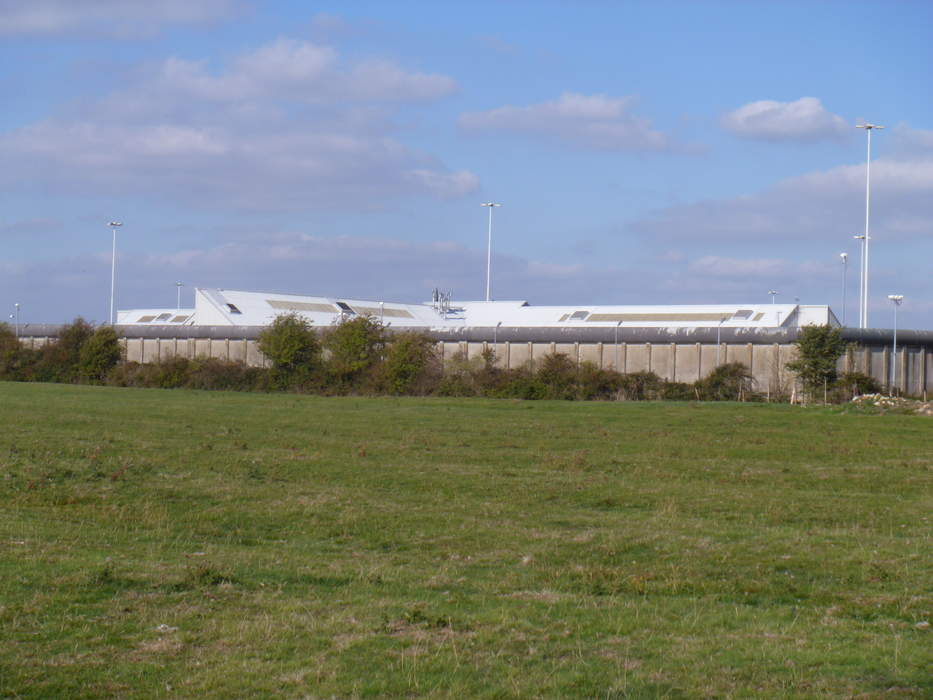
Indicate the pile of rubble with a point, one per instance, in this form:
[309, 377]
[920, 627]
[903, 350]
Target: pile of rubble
[895, 404]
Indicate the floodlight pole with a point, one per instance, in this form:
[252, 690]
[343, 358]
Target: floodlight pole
[16, 320]
[897, 299]
[491, 205]
[114, 225]
[864, 311]
[178, 286]
[718, 343]
[616, 368]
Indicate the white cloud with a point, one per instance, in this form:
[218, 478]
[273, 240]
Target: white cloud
[288, 125]
[739, 267]
[816, 206]
[115, 18]
[300, 71]
[591, 121]
[802, 120]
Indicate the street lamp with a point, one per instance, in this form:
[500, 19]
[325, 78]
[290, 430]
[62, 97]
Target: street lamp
[491, 206]
[114, 225]
[864, 313]
[616, 367]
[845, 269]
[897, 299]
[178, 286]
[773, 294]
[719, 344]
[16, 318]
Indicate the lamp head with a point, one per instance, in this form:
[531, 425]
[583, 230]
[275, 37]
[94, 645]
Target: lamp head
[896, 298]
[844, 256]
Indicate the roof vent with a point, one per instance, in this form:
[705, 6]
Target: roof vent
[233, 309]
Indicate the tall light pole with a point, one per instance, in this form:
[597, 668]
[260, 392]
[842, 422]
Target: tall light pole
[864, 312]
[897, 299]
[845, 269]
[861, 279]
[773, 294]
[491, 206]
[114, 225]
[616, 367]
[16, 322]
[178, 286]
[718, 343]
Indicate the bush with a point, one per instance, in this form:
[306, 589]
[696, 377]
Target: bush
[222, 375]
[557, 376]
[596, 383]
[60, 361]
[852, 384]
[355, 348]
[729, 382]
[99, 354]
[411, 365]
[640, 386]
[168, 374]
[818, 350]
[292, 346]
[9, 352]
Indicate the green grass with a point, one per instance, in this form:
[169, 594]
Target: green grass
[192, 544]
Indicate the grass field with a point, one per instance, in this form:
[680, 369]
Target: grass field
[192, 544]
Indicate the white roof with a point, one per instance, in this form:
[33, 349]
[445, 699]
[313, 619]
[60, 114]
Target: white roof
[223, 307]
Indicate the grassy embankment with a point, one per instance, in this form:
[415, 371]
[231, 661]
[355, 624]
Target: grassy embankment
[181, 544]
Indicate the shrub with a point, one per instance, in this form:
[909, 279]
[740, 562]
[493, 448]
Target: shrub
[60, 361]
[291, 345]
[411, 364]
[818, 350]
[640, 386]
[852, 384]
[9, 352]
[557, 375]
[99, 354]
[729, 382]
[596, 383]
[678, 391]
[222, 375]
[168, 374]
[355, 348]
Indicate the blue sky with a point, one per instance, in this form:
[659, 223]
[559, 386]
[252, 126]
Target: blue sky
[644, 152]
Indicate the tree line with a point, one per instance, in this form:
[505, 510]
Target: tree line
[360, 357]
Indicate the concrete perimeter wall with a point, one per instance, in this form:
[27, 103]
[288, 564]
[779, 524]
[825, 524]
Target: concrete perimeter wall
[675, 361]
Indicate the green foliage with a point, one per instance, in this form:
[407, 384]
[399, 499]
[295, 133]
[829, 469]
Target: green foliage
[9, 351]
[99, 354]
[291, 344]
[558, 374]
[729, 382]
[355, 347]
[60, 360]
[640, 386]
[818, 349]
[411, 364]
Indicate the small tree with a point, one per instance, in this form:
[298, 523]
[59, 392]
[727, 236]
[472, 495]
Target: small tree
[411, 364]
[818, 350]
[99, 354]
[355, 347]
[291, 345]
[60, 361]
